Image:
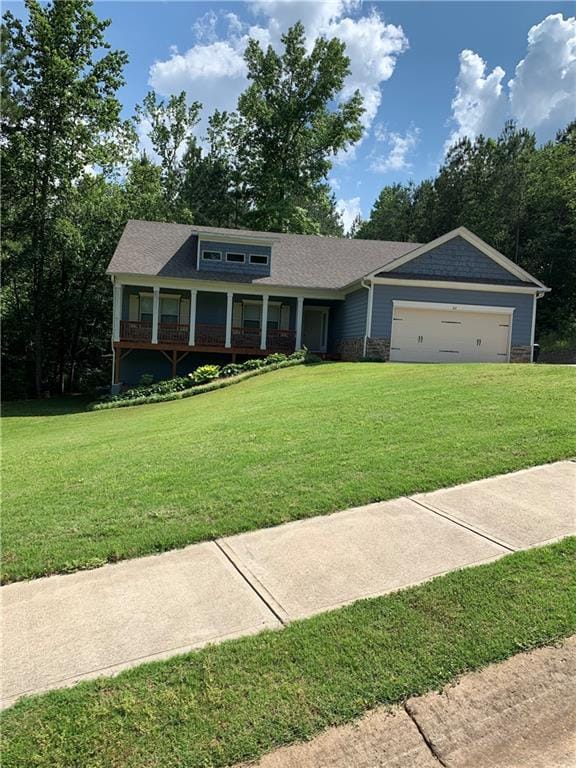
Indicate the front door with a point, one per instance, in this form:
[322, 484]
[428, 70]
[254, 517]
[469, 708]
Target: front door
[315, 328]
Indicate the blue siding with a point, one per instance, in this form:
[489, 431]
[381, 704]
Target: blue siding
[352, 318]
[456, 259]
[385, 294]
[258, 270]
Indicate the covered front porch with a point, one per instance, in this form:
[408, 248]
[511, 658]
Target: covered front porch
[179, 322]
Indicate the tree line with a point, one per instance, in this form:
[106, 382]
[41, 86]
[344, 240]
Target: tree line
[73, 172]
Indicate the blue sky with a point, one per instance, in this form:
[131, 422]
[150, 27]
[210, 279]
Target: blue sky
[429, 71]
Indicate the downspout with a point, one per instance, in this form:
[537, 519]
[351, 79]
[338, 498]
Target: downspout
[112, 335]
[368, 329]
[537, 295]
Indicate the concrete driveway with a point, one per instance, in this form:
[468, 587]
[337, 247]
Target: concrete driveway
[62, 629]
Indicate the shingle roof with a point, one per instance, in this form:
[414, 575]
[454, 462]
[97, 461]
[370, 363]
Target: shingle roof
[304, 261]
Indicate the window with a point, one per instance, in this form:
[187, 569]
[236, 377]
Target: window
[169, 309]
[258, 258]
[252, 315]
[273, 317]
[211, 256]
[236, 257]
[146, 308]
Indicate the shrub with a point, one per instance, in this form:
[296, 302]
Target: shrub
[232, 369]
[310, 358]
[275, 357]
[205, 373]
[300, 354]
[146, 380]
[252, 365]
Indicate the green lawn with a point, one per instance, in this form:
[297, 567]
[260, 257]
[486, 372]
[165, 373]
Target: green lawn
[84, 488]
[240, 699]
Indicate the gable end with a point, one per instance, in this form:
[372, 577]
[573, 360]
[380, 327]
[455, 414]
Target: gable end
[456, 259]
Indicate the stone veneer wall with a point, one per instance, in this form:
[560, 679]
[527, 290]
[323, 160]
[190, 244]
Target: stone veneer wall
[521, 354]
[379, 348]
[350, 349]
[353, 349]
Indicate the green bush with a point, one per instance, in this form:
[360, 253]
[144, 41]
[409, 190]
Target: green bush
[275, 357]
[300, 354]
[205, 373]
[146, 380]
[252, 365]
[232, 369]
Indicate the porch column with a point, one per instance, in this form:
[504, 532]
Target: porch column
[229, 299]
[192, 326]
[264, 323]
[155, 312]
[299, 312]
[116, 311]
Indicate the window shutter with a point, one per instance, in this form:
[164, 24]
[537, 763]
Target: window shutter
[133, 307]
[237, 314]
[285, 317]
[184, 311]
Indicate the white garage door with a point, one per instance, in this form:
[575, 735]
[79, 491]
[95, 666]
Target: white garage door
[445, 333]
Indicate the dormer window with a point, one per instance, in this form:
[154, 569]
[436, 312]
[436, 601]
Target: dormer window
[211, 256]
[258, 258]
[238, 258]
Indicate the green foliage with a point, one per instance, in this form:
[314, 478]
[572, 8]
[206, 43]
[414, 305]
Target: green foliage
[60, 116]
[252, 365]
[289, 129]
[231, 369]
[205, 373]
[146, 379]
[518, 197]
[276, 357]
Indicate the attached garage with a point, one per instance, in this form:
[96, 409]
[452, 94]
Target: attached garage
[429, 332]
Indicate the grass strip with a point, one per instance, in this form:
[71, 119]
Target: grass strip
[238, 700]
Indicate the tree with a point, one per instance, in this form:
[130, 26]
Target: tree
[60, 118]
[170, 130]
[287, 133]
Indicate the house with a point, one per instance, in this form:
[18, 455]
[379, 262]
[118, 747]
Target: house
[185, 294]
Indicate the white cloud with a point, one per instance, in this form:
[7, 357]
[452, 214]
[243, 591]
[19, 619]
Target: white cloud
[205, 27]
[540, 96]
[213, 71]
[399, 147]
[349, 210]
[543, 89]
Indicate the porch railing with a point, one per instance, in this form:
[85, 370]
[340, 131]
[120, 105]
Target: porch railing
[208, 336]
[175, 333]
[281, 341]
[136, 330]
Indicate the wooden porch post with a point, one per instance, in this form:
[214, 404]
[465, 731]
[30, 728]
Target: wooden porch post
[155, 313]
[174, 363]
[264, 323]
[192, 326]
[229, 301]
[299, 312]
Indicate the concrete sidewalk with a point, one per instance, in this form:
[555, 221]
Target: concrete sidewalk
[62, 629]
[517, 714]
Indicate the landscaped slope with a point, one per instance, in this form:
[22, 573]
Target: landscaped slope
[83, 488]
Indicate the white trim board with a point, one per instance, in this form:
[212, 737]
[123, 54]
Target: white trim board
[212, 286]
[453, 307]
[474, 240]
[487, 287]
